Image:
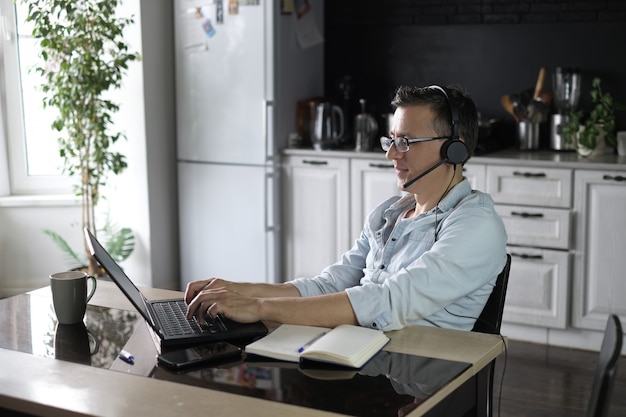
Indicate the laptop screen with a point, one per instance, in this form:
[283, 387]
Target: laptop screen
[116, 273]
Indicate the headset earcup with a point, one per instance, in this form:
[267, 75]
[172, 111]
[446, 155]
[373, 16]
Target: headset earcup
[454, 151]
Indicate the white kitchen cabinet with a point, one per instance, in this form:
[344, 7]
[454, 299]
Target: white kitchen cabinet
[316, 207]
[538, 186]
[476, 174]
[536, 226]
[371, 182]
[600, 262]
[535, 206]
[537, 293]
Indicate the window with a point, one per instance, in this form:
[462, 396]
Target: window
[35, 166]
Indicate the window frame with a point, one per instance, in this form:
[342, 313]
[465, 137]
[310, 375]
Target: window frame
[12, 105]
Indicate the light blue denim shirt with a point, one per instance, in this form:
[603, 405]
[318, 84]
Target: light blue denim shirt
[397, 273]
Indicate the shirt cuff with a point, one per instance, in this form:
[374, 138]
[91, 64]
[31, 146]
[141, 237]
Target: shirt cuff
[366, 305]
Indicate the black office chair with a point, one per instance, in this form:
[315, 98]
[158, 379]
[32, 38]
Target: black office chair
[479, 391]
[604, 379]
[490, 321]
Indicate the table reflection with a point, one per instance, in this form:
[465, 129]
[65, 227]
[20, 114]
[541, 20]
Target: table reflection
[28, 324]
[415, 376]
[389, 384]
[74, 343]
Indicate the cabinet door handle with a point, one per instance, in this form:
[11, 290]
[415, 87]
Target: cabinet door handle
[308, 161]
[383, 166]
[525, 215]
[526, 256]
[529, 174]
[614, 178]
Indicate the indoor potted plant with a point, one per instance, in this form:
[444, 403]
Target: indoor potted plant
[589, 132]
[83, 57]
[118, 241]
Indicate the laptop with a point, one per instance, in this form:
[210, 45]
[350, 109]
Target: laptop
[166, 318]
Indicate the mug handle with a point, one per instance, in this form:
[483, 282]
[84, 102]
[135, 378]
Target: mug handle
[96, 343]
[94, 284]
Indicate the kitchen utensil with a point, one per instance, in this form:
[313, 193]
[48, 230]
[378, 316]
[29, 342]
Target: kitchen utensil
[536, 106]
[528, 135]
[519, 109]
[329, 126]
[539, 84]
[508, 105]
[546, 97]
[538, 111]
[365, 129]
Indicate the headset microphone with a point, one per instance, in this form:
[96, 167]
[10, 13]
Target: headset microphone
[428, 171]
[453, 151]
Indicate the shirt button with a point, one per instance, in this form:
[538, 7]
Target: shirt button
[382, 267]
[393, 239]
[374, 325]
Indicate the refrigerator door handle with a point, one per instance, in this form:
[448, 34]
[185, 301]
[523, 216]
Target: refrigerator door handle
[268, 127]
[270, 203]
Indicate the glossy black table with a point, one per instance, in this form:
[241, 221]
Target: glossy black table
[392, 383]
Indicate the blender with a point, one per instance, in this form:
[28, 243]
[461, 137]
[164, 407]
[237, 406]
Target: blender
[566, 86]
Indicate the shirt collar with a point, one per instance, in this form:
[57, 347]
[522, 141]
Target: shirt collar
[456, 194]
[451, 200]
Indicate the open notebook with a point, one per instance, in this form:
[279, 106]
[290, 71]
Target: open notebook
[345, 345]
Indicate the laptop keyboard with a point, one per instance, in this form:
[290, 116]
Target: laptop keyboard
[172, 315]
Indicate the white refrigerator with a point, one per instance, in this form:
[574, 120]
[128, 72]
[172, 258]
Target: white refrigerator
[239, 75]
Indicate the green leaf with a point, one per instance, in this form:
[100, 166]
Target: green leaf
[72, 257]
[121, 244]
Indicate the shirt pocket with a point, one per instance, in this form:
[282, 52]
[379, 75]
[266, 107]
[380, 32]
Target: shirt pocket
[410, 247]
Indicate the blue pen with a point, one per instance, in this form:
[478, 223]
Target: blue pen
[310, 342]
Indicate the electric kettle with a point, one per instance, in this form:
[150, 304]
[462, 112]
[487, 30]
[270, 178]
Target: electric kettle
[329, 126]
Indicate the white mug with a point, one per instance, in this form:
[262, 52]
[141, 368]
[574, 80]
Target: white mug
[69, 295]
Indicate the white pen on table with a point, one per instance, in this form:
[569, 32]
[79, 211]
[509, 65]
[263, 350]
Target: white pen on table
[310, 342]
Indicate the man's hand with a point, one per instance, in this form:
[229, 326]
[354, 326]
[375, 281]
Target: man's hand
[216, 296]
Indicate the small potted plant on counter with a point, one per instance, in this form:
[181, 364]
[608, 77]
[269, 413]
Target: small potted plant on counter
[591, 132]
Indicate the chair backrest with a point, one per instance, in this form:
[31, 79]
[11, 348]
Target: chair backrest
[489, 321]
[490, 318]
[604, 379]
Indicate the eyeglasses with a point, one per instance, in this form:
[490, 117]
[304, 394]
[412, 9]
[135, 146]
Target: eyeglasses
[402, 144]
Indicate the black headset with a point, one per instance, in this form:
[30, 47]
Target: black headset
[453, 151]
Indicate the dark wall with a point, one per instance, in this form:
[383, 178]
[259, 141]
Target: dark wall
[491, 48]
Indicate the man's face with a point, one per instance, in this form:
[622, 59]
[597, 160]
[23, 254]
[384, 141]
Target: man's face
[414, 122]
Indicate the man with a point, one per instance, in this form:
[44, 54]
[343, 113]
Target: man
[430, 257]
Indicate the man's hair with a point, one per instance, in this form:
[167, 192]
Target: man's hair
[433, 97]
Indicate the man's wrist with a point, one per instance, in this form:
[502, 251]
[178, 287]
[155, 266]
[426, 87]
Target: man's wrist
[266, 310]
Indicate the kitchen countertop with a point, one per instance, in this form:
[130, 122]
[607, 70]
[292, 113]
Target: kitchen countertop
[539, 158]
